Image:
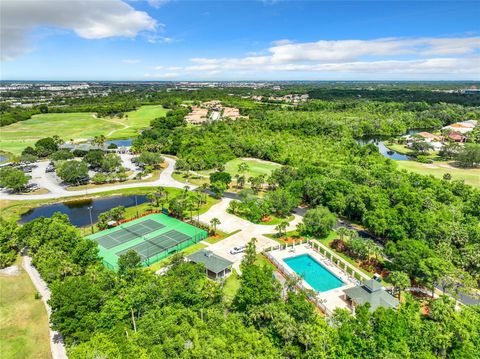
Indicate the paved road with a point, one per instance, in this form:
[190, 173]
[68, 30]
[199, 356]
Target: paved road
[48, 181]
[248, 230]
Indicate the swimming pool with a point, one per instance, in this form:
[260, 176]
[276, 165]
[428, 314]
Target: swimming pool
[315, 274]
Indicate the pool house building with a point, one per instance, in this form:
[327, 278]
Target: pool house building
[216, 267]
[371, 292]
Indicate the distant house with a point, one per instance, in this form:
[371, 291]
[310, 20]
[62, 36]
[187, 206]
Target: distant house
[462, 127]
[216, 267]
[457, 137]
[429, 137]
[371, 292]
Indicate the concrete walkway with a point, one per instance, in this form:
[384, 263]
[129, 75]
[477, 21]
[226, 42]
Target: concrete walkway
[48, 181]
[230, 223]
[57, 345]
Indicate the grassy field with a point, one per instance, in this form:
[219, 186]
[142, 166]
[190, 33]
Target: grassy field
[23, 319]
[77, 126]
[137, 120]
[256, 167]
[438, 169]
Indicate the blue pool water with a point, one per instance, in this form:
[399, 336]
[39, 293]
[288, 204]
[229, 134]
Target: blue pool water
[316, 275]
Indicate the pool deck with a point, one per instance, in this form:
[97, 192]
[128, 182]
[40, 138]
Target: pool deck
[332, 298]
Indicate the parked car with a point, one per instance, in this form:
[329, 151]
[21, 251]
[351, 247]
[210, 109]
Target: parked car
[237, 250]
[50, 168]
[26, 169]
[31, 187]
[83, 180]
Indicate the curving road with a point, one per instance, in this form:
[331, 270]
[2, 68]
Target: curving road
[49, 182]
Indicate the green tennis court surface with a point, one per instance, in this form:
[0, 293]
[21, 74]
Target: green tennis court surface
[153, 237]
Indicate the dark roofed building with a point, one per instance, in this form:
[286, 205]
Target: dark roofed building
[216, 267]
[82, 147]
[371, 292]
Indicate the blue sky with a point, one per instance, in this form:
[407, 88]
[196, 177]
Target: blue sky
[240, 40]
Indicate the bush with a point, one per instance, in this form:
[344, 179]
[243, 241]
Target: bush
[150, 158]
[45, 147]
[12, 178]
[28, 158]
[424, 159]
[319, 221]
[99, 178]
[79, 153]
[223, 177]
[62, 155]
[338, 245]
[72, 171]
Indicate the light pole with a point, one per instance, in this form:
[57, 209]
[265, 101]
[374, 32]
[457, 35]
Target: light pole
[91, 220]
[136, 205]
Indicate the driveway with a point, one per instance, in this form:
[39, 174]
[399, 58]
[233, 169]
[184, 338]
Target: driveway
[230, 223]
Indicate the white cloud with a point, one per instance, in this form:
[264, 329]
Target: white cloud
[93, 19]
[157, 3]
[422, 56]
[157, 39]
[131, 61]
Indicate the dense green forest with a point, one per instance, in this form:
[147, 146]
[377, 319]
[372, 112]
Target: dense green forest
[324, 165]
[137, 314]
[113, 99]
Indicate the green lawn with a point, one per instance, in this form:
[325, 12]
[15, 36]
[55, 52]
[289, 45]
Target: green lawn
[137, 120]
[256, 167]
[438, 169]
[23, 319]
[77, 126]
[221, 236]
[231, 286]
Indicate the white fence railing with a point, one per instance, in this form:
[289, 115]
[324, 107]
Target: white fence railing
[313, 298]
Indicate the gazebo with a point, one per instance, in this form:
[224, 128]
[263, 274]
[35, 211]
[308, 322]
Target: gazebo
[371, 292]
[216, 267]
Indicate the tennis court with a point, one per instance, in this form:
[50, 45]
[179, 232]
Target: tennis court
[153, 237]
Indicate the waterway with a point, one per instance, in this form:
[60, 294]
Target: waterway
[78, 211]
[379, 141]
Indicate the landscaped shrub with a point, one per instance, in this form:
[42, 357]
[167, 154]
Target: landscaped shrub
[424, 159]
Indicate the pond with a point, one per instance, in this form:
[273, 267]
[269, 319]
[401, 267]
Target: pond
[78, 211]
[121, 143]
[379, 142]
[3, 158]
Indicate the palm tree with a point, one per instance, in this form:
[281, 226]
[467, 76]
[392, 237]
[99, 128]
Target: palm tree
[215, 222]
[371, 248]
[204, 190]
[241, 181]
[162, 195]
[234, 206]
[400, 281]
[243, 167]
[342, 232]
[281, 228]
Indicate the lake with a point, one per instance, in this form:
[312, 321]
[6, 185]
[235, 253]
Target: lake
[379, 142]
[121, 143]
[78, 211]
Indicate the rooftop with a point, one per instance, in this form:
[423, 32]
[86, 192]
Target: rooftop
[371, 292]
[212, 262]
